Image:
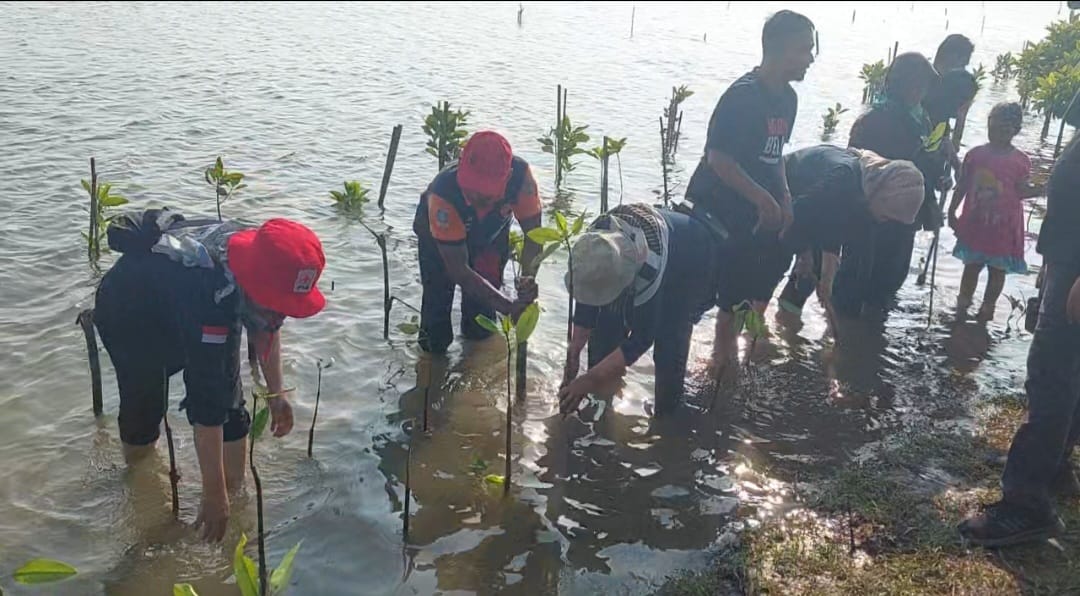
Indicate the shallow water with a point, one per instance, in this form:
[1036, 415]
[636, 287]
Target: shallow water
[301, 97]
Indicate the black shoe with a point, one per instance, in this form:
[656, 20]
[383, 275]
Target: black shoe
[1003, 524]
[1067, 485]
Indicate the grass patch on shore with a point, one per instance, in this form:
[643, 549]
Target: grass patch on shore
[885, 523]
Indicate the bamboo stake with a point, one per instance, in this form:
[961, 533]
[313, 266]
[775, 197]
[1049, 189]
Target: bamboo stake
[93, 251]
[604, 178]
[174, 474]
[391, 155]
[86, 321]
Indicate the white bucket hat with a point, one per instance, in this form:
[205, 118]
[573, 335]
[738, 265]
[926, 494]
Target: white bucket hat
[605, 264]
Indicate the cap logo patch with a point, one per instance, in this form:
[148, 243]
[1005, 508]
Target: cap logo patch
[305, 279]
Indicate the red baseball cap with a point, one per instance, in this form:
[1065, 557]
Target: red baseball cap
[484, 166]
[278, 267]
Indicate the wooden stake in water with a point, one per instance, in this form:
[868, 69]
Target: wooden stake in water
[395, 137]
[521, 11]
[408, 488]
[258, 501]
[633, 13]
[380, 239]
[817, 44]
[664, 159]
[604, 177]
[174, 474]
[86, 321]
[558, 133]
[852, 17]
[318, 394]
[509, 420]
[93, 250]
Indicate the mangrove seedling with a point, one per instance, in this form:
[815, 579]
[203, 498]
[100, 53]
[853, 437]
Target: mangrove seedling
[514, 335]
[318, 393]
[446, 132]
[101, 200]
[873, 77]
[225, 183]
[1004, 67]
[252, 581]
[43, 571]
[352, 201]
[979, 74]
[831, 119]
[603, 153]
[673, 119]
[554, 238]
[564, 141]
[750, 320]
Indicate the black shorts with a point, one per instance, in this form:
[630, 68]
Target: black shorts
[751, 270]
[143, 357]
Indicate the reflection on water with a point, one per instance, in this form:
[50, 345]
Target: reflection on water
[300, 97]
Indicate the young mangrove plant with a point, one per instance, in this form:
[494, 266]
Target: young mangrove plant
[979, 74]
[672, 119]
[446, 132]
[603, 154]
[225, 183]
[554, 238]
[564, 141]
[1004, 67]
[830, 120]
[352, 201]
[873, 77]
[101, 200]
[321, 366]
[43, 571]
[252, 581]
[750, 320]
[514, 335]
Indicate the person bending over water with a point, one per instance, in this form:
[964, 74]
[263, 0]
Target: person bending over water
[176, 300]
[642, 278]
[739, 184]
[839, 195]
[462, 225]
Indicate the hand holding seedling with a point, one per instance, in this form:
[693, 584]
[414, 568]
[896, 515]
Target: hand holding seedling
[527, 290]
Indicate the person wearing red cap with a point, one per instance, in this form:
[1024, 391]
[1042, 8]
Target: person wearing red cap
[176, 300]
[463, 226]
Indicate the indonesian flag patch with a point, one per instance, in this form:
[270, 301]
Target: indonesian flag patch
[214, 335]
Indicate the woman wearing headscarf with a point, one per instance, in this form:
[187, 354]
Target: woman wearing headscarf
[896, 127]
[839, 196]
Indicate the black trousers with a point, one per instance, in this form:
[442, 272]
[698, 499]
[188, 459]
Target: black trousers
[437, 304]
[1042, 445]
[873, 268]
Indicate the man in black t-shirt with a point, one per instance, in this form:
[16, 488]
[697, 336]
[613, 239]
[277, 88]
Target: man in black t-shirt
[740, 182]
[951, 96]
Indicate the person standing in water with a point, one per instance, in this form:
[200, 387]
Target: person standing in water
[950, 98]
[990, 232]
[1038, 468]
[896, 127]
[642, 278]
[462, 224]
[176, 300]
[739, 185]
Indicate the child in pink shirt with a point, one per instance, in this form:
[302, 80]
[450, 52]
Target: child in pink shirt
[990, 232]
